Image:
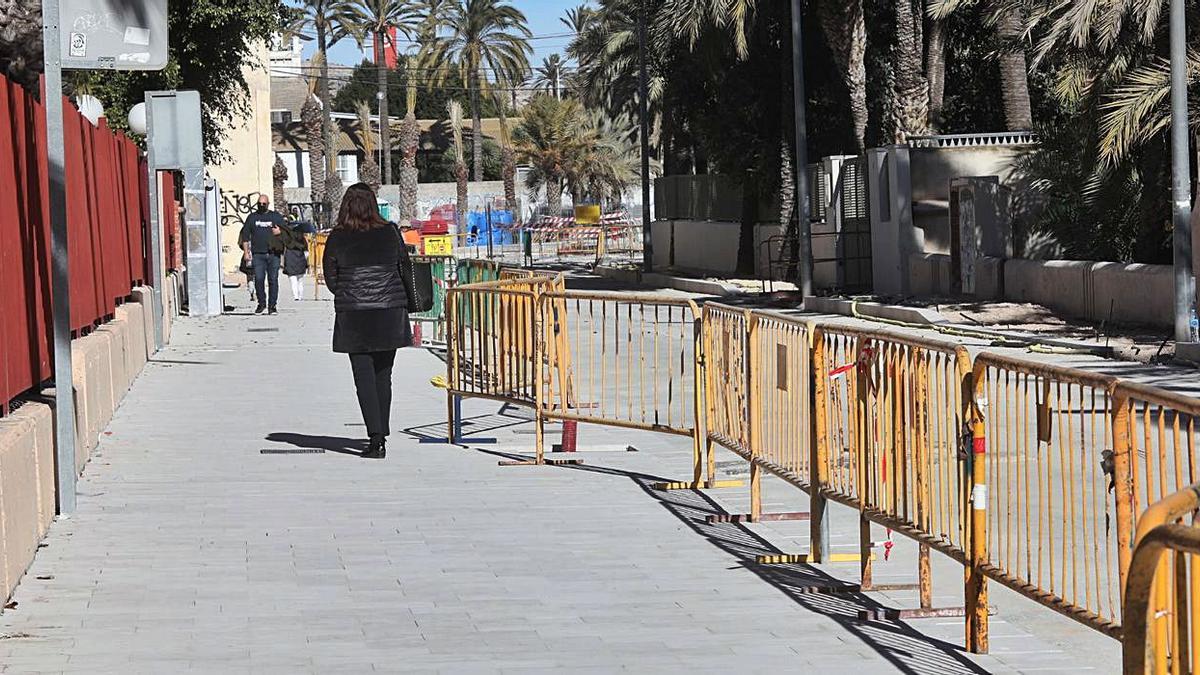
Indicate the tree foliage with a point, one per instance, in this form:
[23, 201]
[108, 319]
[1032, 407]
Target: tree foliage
[431, 101]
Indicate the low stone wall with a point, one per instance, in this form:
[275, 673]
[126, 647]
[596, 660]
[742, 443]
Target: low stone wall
[105, 362]
[1082, 289]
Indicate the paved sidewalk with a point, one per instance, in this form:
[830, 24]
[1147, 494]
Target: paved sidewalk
[194, 551]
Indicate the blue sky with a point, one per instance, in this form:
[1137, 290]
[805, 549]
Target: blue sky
[543, 16]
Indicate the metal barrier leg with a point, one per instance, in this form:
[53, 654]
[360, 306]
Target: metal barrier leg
[454, 424]
[976, 588]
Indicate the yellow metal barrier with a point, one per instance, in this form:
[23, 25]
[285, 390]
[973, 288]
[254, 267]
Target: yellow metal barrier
[623, 360]
[1162, 617]
[1051, 534]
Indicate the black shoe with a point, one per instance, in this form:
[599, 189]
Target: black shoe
[272, 311]
[376, 449]
[260, 309]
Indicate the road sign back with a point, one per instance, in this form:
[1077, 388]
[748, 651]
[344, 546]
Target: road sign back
[114, 34]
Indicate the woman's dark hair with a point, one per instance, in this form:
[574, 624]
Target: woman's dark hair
[359, 211]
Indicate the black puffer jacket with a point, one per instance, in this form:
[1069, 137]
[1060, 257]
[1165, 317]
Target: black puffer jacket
[363, 269]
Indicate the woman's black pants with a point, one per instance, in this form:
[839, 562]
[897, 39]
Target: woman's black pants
[373, 380]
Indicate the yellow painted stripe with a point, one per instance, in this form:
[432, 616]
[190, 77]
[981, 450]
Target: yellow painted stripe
[794, 558]
[689, 485]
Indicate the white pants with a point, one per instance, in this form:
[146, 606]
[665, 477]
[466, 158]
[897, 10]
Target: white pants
[297, 287]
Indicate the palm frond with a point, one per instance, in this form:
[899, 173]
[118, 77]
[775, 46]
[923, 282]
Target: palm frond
[366, 135]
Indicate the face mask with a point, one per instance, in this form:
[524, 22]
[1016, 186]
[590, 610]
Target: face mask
[262, 208]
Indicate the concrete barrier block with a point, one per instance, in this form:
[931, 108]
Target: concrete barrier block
[144, 296]
[84, 403]
[118, 361]
[43, 428]
[18, 499]
[136, 338]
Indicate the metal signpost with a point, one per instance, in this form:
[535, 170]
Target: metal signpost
[86, 34]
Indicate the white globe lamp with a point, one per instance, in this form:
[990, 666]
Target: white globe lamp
[137, 119]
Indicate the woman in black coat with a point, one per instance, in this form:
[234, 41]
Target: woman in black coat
[368, 271]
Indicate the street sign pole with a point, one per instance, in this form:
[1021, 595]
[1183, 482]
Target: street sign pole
[60, 284]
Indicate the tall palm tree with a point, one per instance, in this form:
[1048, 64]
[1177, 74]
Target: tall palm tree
[911, 112]
[312, 120]
[486, 41]
[460, 165]
[846, 32]
[410, 138]
[330, 21]
[378, 19]
[1007, 17]
[369, 173]
[279, 175]
[551, 75]
[508, 162]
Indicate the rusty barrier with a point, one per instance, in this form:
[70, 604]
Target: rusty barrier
[1050, 531]
[1162, 618]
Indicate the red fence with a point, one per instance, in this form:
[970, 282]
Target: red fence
[106, 213]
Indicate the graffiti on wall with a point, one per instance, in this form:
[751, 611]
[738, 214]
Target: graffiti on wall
[235, 207]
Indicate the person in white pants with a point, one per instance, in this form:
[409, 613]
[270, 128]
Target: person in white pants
[295, 261]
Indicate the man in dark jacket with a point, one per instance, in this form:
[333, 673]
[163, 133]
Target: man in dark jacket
[264, 248]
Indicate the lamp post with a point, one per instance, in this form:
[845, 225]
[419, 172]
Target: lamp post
[1181, 199]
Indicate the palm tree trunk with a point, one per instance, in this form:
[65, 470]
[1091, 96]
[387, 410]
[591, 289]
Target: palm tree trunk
[385, 122]
[935, 70]
[326, 107]
[1014, 77]
[476, 128]
[554, 196]
[846, 32]
[912, 90]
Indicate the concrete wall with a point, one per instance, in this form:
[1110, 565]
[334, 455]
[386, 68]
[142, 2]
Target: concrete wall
[707, 246]
[247, 170]
[1097, 291]
[106, 363]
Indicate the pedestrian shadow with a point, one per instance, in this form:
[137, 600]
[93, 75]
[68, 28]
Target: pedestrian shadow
[344, 446]
[907, 649]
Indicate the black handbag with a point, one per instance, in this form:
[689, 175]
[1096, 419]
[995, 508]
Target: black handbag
[419, 299]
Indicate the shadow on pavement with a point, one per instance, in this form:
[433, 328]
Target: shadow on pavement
[904, 647]
[345, 446]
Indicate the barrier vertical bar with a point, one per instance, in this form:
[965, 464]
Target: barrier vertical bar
[862, 439]
[819, 449]
[539, 332]
[451, 361]
[976, 587]
[753, 412]
[921, 477]
[1122, 485]
[698, 435]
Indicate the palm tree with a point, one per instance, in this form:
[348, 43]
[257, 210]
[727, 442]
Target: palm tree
[369, 173]
[551, 75]
[483, 36]
[548, 141]
[460, 165]
[911, 112]
[1007, 18]
[410, 138]
[846, 32]
[378, 18]
[279, 175]
[508, 163]
[311, 119]
[578, 19]
[330, 20]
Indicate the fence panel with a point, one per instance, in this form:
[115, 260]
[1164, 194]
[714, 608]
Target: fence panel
[835, 365]
[910, 401]
[781, 378]
[1050, 532]
[726, 391]
[633, 360]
